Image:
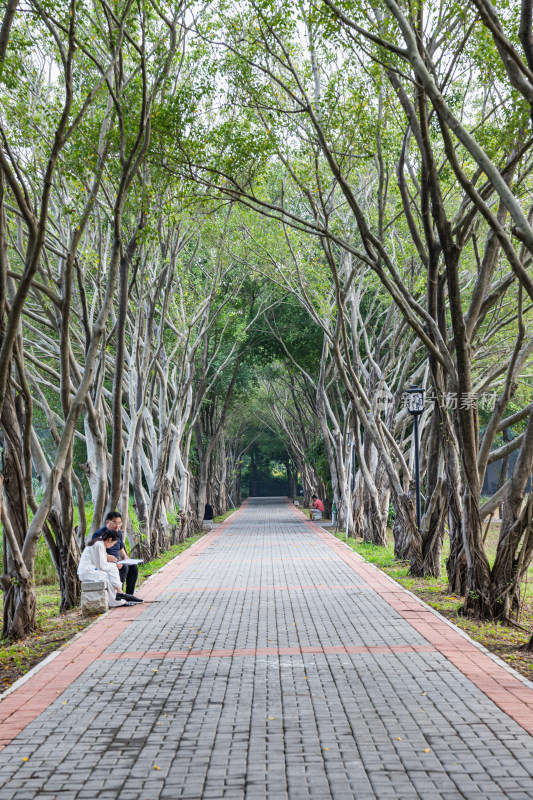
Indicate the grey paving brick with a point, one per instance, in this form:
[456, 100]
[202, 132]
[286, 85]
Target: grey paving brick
[255, 726]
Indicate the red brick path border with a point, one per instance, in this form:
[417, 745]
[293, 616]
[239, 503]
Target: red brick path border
[503, 688]
[188, 589]
[24, 704]
[269, 651]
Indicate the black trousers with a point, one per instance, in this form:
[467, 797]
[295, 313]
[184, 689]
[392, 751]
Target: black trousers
[129, 573]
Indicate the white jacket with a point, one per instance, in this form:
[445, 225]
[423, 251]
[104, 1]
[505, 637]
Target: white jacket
[94, 566]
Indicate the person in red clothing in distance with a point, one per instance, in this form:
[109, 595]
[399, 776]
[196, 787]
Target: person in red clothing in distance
[316, 505]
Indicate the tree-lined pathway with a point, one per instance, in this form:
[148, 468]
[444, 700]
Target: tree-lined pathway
[270, 662]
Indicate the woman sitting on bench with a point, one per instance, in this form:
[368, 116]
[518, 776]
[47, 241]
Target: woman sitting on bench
[94, 566]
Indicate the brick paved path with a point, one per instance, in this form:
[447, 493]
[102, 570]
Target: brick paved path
[271, 663]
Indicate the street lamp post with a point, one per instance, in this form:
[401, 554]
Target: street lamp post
[415, 406]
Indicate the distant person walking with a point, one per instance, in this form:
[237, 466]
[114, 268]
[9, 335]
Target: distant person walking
[316, 505]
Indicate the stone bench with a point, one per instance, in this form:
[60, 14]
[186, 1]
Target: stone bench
[94, 598]
[317, 514]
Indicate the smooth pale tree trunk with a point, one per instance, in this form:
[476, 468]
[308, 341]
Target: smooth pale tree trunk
[95, 467]
[202, 471]
[142, 547]
[358, 516]
[188, 520]
[157, 520]
[213, 429]
[374, 530]
[332, 438]
[374, 521]
[223, 501]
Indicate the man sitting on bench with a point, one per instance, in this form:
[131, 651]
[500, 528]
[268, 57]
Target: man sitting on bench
[316, 506]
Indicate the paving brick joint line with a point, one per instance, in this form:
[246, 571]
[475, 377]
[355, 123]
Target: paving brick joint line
[272, 662]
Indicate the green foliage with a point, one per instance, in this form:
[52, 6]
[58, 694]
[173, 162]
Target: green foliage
[45, 572]
[316, 455]
[298, 335]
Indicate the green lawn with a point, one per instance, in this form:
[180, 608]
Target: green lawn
[222, 517]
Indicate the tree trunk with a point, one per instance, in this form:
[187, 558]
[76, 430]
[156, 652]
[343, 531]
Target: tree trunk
[478, 597]
[405, 519]
[20, 605]
[400, 533]
[96, 466]
[435, 506]
[510, 565]
[375, 522]
[506, 436]
[508, 571]
[456, 561]
[68, 552]
[358, 516]
[141, 548]
[118, 373]
[19, 588]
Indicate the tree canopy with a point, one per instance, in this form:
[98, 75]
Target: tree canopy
[231, 236]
